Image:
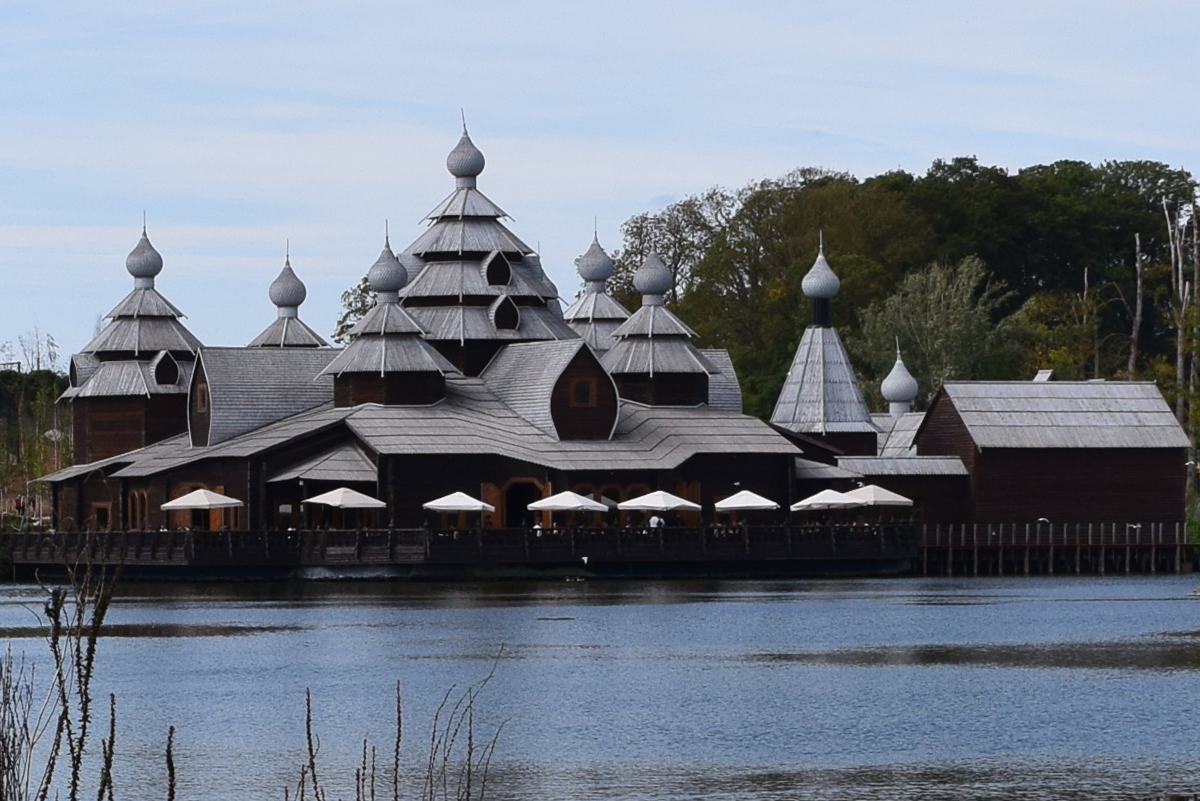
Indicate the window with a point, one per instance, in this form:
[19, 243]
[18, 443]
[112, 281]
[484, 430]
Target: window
[200, 399]
[583, 393]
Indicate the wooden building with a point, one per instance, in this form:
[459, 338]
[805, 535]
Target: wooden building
[464, 375]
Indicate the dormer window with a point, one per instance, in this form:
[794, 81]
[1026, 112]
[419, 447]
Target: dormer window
[583, 393]
[166, 370]
[504, 314]
[496, 270]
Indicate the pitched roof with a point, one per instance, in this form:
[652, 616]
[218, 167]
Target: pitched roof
[903, 465]
[724, 389]
[472, 420]
[251, 387]
[524, 375]
[143, 335]
[1064, 414]
[344, 464]
[899, 438]
[821, 394]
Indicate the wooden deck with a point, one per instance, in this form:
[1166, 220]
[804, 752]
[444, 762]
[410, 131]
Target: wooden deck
[837, 549]
[967, 550]
[1045, 549]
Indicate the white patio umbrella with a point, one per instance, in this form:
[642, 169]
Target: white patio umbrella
[878, 496]
[346, 498]
[567, 501]
[458, 502]
[202, 499]
[744, 501]
[658, 501]
[828, 499]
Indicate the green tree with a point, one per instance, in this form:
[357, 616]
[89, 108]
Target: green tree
[356, 302]
[950, 324]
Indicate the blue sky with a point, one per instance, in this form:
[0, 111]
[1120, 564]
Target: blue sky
[238, 127]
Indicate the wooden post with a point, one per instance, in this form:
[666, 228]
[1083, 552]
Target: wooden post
[975, 549]
[1050, 563]
[1026, 549]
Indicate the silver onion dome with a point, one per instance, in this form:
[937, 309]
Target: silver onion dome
[820, 283]
[595, 264]
[287, 291]
[465, 160]
[144, 262]
[387, 274]
[899, 386]
[652, 278]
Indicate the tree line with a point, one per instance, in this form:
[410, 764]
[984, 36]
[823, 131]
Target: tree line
[976, 271]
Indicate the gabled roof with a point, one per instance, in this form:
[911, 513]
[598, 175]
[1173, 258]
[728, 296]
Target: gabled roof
[524, 375]
[724, 390]
[344, 464]
[1064, 414]
[251, 387]
[821, 394]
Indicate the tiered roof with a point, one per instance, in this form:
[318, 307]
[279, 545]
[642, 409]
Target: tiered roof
[387, 339]
[595, 315]
[288, 331]
[473, 279]
[145, 349]
[654, 341]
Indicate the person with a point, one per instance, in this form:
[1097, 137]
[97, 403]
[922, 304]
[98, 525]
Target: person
[656, 521]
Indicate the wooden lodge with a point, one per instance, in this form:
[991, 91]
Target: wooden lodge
[467, 375]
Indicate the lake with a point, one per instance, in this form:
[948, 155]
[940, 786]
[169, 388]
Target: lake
[1001, 688]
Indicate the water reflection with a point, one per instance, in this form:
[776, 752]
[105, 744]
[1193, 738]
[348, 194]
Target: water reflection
[891, 689]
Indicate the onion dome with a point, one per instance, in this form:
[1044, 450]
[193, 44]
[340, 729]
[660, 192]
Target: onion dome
[287, 291]
[595, 264]
[653, 280]
[465, 161]
[899, 389]
[144, 262]
[820, 283]
[387, 275]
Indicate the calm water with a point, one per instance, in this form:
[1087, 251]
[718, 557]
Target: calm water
[886, 689]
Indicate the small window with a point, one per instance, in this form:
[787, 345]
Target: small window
[200, 399]
[583, 393]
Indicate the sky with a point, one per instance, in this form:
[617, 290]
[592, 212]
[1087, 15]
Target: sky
[242, 131]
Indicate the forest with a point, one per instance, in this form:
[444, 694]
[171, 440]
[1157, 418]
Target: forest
[977, 272]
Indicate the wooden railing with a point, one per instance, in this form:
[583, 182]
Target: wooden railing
[578, 546]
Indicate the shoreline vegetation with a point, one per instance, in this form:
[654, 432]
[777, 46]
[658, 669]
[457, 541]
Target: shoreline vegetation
[46, 726]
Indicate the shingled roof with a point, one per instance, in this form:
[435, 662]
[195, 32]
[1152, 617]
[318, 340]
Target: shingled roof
[1063, 414]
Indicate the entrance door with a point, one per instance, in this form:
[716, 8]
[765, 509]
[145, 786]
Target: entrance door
[516, 500]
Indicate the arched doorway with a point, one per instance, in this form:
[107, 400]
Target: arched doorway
[517, 497]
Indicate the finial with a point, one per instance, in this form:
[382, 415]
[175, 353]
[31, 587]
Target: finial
[596, 228]
[897, 347]
[387, 237]
[821, 241]
[143, 221]
[463, 112]
[287, 249]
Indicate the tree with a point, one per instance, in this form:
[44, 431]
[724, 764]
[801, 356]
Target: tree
[356, 302]
[949, 321]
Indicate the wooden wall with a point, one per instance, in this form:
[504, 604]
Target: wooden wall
[575, 420]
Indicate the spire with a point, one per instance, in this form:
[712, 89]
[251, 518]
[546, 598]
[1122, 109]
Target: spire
[465, 161]
[653, 280]
[287, 292]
